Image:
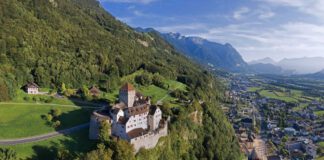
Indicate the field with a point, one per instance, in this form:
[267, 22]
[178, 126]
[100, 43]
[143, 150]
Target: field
[23, 120]
[278, 95]
[77, 142]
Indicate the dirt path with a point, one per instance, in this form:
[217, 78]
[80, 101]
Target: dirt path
[8, 142]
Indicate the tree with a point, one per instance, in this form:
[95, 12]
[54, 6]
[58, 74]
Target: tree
[49, 118]
[101, 153]
[85, 92]
[63, 88]
[144, 79]
[63, 154]
[123, 151]
[56, 124]
[7, 154]
[104, 132]
[56, 112]
[4, 91]
[158, 80]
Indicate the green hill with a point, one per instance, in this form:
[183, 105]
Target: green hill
[78, 43]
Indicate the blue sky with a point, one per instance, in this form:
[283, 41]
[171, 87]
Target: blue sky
[256, 28]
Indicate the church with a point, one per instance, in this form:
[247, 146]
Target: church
[133, 119]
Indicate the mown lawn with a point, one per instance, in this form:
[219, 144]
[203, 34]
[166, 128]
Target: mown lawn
[155, 92]
[273, 95]
[23, 120]
[77, 142]
[254, 89]
[176, 85]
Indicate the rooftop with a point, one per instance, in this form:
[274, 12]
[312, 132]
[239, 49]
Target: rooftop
[127, 87]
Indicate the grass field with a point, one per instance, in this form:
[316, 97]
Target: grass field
[176, 85]
[77, 142]
[155, 92]
[277, 95]
[23, 120]
[254, 89]
[319, 113]
[300, 107]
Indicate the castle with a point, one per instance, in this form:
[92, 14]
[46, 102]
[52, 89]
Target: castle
[133, 119]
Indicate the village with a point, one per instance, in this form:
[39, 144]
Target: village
[274, 128]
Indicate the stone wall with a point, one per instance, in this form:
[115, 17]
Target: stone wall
[149, 140]
[95, 124]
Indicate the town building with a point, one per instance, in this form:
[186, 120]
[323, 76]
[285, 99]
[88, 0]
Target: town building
[32, 88]
[133, 119]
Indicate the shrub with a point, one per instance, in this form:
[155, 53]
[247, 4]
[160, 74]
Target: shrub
[27, 98]
[56, 124]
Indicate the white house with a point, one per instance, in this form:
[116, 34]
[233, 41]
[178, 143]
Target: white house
[32, 88]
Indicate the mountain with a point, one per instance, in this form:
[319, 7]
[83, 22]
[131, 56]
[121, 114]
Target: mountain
[266, 60]
[265, 68]
[223, 56]
[78, 43]
[317, 75]
[304, 65]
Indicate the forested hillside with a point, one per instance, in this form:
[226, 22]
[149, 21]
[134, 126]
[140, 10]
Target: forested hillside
[78, 43]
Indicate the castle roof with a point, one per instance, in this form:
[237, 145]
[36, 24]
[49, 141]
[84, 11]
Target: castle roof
[138, 109]
[127, 87]
[122, 120]
[136, 133]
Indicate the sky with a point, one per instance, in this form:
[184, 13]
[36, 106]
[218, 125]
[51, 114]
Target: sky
[256, 28]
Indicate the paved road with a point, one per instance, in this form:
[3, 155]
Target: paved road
[8, 142]
[49, 104]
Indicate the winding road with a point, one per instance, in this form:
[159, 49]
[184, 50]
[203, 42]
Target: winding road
[42, 137]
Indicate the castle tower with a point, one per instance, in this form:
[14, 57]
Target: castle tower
[127, 94]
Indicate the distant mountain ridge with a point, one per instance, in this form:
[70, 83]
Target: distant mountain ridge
[305, 65]
[266, 60]
[317, 75]
[223, 56]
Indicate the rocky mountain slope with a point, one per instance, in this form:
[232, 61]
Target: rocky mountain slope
[223, 56]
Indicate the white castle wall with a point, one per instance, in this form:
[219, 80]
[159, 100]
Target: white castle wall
[149, 140]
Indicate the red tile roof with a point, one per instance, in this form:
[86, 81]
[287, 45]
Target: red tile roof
[127, 87]
[136, 132]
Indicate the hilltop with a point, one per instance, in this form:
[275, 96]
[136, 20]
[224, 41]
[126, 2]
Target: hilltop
[78, 43]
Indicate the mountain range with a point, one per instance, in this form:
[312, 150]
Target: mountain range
[223, 56]
[305, 65]
[227, 58]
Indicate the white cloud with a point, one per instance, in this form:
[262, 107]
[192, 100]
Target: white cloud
[311, 7]
[266, 14]
[240, 13]
[129, 1]
[183, 28]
